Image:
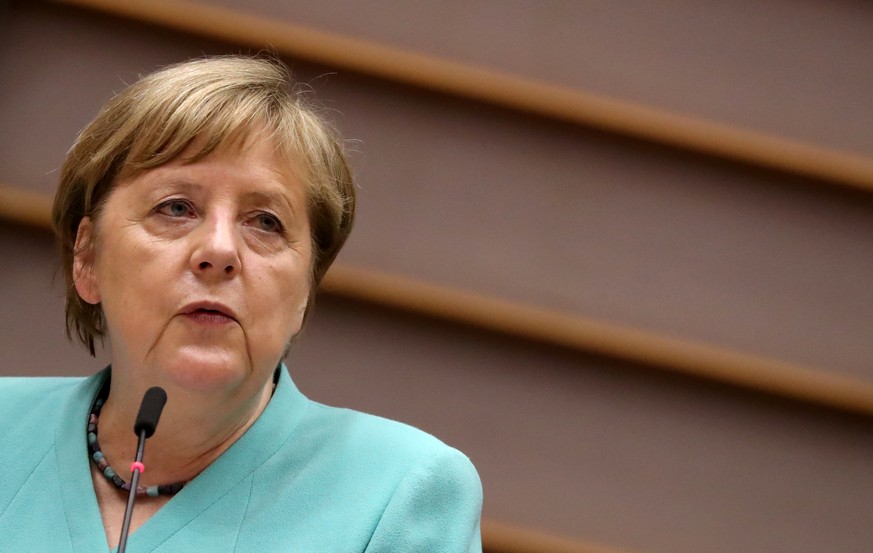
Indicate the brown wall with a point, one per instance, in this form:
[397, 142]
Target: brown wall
[514, 206]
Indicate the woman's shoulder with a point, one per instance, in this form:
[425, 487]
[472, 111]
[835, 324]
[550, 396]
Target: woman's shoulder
[31, 391]
[421, 491]
[349, 429]
[362, 445]
[38, 383]
[33, 407]
[36, 402]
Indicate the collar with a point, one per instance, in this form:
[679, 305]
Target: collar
[263, 439]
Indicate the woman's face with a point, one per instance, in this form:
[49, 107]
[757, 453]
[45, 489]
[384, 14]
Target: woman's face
[202, 270]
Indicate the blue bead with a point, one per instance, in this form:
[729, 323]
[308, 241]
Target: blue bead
[109, 472]
[92, 437]
[97, 456]
[152, 491]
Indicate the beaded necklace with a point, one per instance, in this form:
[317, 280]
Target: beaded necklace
[102, 464]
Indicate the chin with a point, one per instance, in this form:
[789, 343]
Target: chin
[206, 372]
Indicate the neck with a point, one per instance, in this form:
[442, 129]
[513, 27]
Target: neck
[194, 430]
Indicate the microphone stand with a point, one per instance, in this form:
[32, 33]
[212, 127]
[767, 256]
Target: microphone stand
[131, 498]
[146, 421]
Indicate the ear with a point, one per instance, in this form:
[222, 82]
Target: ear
[84, 277]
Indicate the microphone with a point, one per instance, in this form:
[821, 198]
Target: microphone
[150, 411]
[146, 421]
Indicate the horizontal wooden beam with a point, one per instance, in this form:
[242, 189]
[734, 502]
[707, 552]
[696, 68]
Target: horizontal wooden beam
[509, 91]
[24, 207]
[499, 537]
[568, 330]
[579, 333]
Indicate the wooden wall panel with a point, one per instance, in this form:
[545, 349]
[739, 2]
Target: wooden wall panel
[509, 205]
[794, 68]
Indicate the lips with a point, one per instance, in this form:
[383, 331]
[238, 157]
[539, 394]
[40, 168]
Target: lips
[209, 312]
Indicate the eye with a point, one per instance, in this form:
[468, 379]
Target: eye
[268, 223]
[176, 208]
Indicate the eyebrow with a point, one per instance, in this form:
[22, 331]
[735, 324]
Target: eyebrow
[179, 183]
[271, 197]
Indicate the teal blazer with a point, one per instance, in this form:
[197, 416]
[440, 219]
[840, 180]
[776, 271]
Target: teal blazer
[305, 478]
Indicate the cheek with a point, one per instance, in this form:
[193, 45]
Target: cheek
[282, 298]
[132, 279]
[126, 306]
[277, 320]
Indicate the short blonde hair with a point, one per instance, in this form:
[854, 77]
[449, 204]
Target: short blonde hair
[217, 101]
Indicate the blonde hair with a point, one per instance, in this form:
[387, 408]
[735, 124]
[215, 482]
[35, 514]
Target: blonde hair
[217, 101]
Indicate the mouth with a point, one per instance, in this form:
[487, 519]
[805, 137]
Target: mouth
[209, 313]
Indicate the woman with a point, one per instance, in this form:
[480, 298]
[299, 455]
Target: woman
[197, 213]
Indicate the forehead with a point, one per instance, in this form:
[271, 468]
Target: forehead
[225, 133]
[253, 148]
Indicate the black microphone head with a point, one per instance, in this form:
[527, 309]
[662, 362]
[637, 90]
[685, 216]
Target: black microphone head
[150, 411]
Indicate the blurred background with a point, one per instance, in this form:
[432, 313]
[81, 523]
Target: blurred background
[619, 253]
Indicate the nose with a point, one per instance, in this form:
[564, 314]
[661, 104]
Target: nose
[216, 253]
